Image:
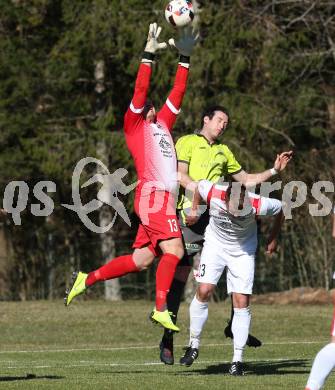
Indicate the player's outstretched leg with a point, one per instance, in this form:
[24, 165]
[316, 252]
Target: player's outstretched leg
[78, 287]
[252, 341]
[115, 268]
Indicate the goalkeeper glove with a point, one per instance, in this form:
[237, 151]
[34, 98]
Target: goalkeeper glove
[152, 44]
[186, 42]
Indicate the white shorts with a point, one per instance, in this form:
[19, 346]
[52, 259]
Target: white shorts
[240, 267]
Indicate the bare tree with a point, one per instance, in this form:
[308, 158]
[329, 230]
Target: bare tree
[112, 287]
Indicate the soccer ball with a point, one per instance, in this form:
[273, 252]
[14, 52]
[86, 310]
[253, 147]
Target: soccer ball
[179, 13]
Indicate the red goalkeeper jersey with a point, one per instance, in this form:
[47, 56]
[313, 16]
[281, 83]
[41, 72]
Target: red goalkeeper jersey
[151, 144]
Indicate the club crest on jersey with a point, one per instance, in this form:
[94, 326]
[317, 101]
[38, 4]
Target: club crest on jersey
[164, 144]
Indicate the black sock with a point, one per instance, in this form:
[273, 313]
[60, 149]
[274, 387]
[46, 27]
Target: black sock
[231, 312]
[174, 298]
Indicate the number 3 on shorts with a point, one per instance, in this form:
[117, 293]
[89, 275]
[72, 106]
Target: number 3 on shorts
[173, 225]
[202, 269]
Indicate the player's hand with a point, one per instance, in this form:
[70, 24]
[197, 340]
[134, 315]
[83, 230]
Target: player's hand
[152, 41]
[191, 216]
[191, 219]
[271, 247]
[3, 215]
[186, 42]
[282, 160]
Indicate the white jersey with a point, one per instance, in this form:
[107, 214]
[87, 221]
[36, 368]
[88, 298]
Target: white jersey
[152, 148]
[160, 166]
[235, 233]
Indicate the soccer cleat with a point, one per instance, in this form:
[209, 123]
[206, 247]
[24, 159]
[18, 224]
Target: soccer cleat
[166, 350]
[163, 318]
[252, 341]
[236, 369]
[77, 288]
[189, 356]
[227, 331]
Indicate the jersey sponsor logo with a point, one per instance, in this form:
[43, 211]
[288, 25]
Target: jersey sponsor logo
[220, 215]
[164, 141]
[164, 144]
[193, 247]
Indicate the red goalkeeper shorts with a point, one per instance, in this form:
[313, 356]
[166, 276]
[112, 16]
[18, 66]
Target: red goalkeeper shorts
[159, 221]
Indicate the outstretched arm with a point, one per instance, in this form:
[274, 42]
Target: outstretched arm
[251, 179]
[271, 245]
[141, 89]
[184, 178]
[134, 112]
[334, 222]
[193, 216]
[171, 108]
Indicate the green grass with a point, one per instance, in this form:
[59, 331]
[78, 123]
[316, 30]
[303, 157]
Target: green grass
[105, 345]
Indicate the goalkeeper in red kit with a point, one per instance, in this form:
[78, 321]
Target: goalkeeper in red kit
[149, 140]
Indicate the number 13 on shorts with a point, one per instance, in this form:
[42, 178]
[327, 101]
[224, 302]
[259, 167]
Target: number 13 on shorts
[173, 225]
[202, 269]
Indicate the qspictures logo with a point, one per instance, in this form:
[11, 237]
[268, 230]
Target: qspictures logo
[112, 185]
[16, 195]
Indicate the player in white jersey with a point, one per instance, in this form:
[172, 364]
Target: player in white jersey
[324, 361]
[230, 241]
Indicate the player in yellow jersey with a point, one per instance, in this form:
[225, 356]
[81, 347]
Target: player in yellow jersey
[202, 156]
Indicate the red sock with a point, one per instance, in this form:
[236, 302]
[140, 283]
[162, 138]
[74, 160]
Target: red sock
[164, 276]
[115, 268]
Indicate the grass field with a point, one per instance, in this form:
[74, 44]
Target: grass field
[100, 345]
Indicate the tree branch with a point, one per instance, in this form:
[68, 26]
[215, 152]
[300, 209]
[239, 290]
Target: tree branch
[301, 17]
[288, 139]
